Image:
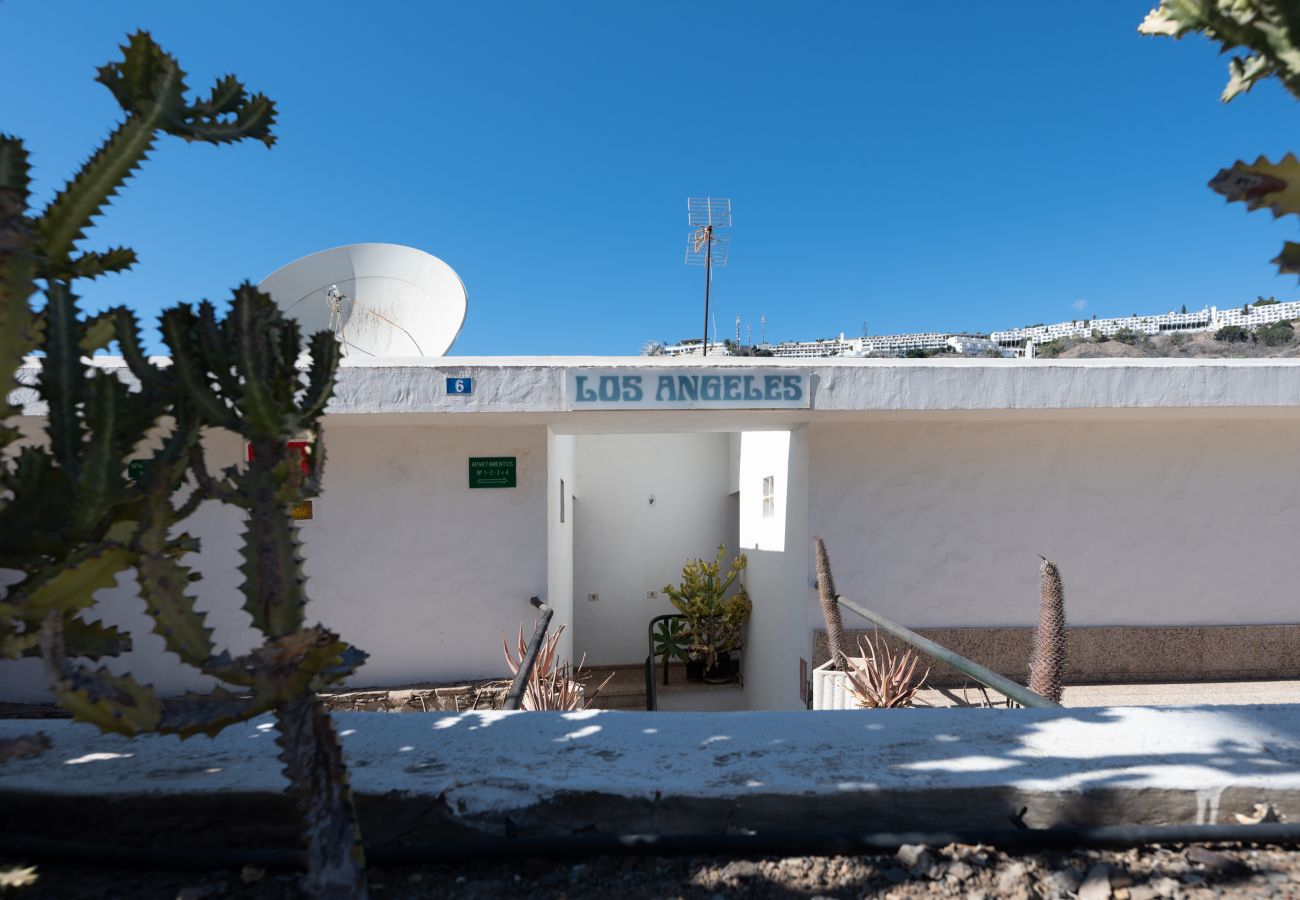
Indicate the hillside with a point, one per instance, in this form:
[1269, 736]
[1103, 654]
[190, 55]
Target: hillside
[1201, 344]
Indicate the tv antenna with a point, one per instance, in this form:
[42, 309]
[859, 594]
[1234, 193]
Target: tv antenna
[710, 221]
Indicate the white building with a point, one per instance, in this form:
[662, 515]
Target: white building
[1209, 318]
[935, 483]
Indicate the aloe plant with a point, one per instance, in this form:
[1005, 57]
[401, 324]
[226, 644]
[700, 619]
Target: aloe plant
[554, 684]
[1267, 34]
[881, 679]
[73, 520]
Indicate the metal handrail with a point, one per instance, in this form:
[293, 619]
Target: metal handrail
[515, 696]
[651, 693]
[985, 676]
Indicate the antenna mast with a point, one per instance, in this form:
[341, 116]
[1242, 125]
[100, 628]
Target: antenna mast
[710, 221]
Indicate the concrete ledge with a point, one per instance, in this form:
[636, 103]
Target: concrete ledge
[421, 777]
[1119, 653]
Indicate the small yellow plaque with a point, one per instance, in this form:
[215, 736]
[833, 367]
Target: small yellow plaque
[301, 510]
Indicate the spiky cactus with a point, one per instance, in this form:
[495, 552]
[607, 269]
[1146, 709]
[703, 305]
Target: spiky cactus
[73, 521]
[1051, 643]
[1267, 33]
[830, 608]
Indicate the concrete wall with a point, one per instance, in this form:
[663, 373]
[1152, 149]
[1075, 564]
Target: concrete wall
[1175, 522]
[776, 578]
[403, 559]
[626, 546]
[561, 456]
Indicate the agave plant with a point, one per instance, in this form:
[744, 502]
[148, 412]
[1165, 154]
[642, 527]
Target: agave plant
[882, 680]
[554, 683]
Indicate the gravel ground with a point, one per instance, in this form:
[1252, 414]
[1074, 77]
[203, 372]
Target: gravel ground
[958, 871]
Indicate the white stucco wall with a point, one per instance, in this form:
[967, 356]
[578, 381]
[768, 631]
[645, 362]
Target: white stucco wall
[626, 546]
[402, 558]
[1188, 522]
[407, 561]
[562, 468]
[778, 555]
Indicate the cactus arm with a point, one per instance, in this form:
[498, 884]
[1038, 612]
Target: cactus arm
[127, 335]
[1270, 32]
[324, 349]
[318, 779]
[251, 315]
[178, 327]
[208, 486]
[191, 714]
[93, 264]
[18, 327]
[61, 380]
[118, 420]
[112, 703]
[93, 640]
[68, 586]
[64, 221]
[1288, 261]
[97, 333]
[273, 584]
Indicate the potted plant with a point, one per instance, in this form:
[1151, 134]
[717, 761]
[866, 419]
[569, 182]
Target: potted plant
[714, 620]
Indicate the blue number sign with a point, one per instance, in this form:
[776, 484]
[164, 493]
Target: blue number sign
[460, 385]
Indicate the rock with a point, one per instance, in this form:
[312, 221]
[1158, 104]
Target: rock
[959, 871]
[251, 874]
[1096, 884]
[1067, 880]
[1011, 877]
[579, 872]
[1216, 862]
[1263, 812]
[894, 875]
[1164, 887]
[909, 854]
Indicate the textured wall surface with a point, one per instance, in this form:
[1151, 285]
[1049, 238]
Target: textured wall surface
[1152, 523]
[626, 546]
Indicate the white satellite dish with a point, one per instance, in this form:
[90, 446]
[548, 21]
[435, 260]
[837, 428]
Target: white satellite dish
[378, 299]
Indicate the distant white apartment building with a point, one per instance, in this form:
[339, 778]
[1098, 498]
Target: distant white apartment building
[1209, 318]
[1011, 342]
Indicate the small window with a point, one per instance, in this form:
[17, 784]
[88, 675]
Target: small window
[769, 496]
[561, 501]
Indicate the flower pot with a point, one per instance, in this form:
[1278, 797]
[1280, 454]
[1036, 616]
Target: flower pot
[723, 671]
[694, 669]
[831, 689]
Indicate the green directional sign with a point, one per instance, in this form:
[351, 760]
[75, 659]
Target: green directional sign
[492, 472]
[135, 469]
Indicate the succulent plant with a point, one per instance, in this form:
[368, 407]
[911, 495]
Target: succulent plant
[1268, 31]
[73, 520]
[715, 620]
[880, 679]
[554, 683]
[830, 606]
[1047, 665]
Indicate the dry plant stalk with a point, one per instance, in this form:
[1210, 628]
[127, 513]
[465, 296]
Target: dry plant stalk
[830, 608]
[1047, 665]
[882, 680]
[554, 684]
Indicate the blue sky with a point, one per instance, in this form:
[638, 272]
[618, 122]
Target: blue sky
[977, 167]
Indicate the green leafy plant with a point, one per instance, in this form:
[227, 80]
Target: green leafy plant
[1231, 334]
[1268, 34]
[715, 621]
[671, 641]
[1275, 334]
[1129, 336]
[72, 520]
